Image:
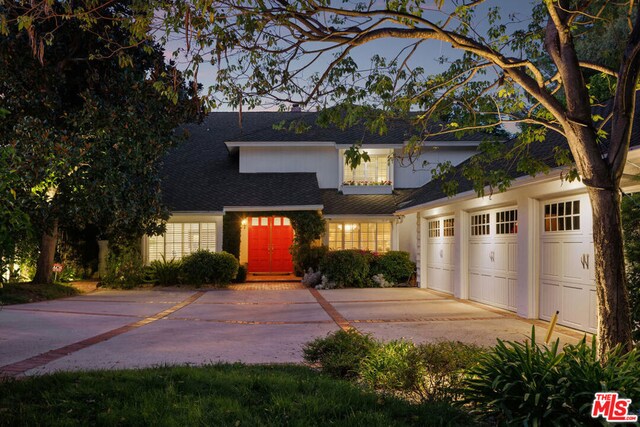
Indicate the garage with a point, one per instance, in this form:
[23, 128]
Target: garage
[567, 280]
[440, 234]
[493, 255]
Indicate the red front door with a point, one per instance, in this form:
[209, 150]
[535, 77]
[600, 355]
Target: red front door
[269, 241]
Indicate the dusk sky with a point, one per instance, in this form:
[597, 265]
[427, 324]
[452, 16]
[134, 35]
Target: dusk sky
[427, 57]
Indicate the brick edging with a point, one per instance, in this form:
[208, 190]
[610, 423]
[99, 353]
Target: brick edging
[340, 320]
[15, 369]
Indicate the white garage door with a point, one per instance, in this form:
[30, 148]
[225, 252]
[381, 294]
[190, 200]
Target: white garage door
[493, 255]
[440, 253]
[567, 271]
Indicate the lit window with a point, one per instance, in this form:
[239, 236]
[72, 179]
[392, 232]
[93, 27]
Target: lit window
[562, 216]
[375, 170]
[447, 226]
[507, 222]
[181, 239]
[434, 228]
[480, 225]
[370, 236]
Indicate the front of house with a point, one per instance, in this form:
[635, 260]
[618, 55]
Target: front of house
[528, 250]
[260, 173]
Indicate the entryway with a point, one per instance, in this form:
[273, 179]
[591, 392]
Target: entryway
[270, 238]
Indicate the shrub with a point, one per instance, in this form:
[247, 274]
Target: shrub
[124, 267]
[532, 384]
[346, 268]
[339, 354]
[165, 272]
[441, 369]
[306, 256]
[241, 277]
[209, 267]
[395, 266]
[631, 229]
[388, 369]
[424, 372]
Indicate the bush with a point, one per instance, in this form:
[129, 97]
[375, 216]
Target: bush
[388, 369]
[346, 268]
[424, 372]
[165, 272]
[241, 277]
[209, 267]
[306, 256]
[527, 383]
[395, 266]
[124, 267]
[339, 354]
[631, 229]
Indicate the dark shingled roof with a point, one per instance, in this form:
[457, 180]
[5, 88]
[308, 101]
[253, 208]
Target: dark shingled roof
[544, 151]
[336, 203]
[398, 132]
[201, 174]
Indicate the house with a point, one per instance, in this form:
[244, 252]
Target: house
[243, 164]
[528, 250]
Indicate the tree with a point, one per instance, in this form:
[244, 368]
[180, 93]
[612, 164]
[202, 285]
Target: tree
[84, 130]
[506, 71]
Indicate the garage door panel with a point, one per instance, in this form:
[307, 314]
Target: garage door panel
[493, 258]
[475, 286]
[513, 286]
[439, 248]
[593, 310]
[550, 299]
[571, 253]
[575, 306]
[551, 259]
[566, 281]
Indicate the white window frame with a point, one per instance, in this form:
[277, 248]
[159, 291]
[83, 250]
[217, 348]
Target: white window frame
[184, 238]
[357, 240]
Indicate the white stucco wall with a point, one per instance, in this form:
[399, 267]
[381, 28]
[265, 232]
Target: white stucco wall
[414, 175]
[407, 236]
[321, 160]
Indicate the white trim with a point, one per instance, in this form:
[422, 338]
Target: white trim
[237, 144]
[359, 217]
[470, 194]
[370, 146]
[197, 213]
[273, 208]
[450, 144]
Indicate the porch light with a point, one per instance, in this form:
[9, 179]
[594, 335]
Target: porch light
[243, 223]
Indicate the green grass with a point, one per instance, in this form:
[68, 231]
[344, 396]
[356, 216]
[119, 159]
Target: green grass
[20, 293]
[215, 395]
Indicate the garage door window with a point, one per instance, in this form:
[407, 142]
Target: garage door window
[562, 216]
[181, 239]
[448, 227]
[480, 225]
[434, 228]
[507, 222]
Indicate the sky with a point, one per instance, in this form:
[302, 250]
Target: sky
[427, 57]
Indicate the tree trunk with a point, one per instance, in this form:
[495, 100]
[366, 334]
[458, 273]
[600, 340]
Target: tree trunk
[614, 318]
[47, 253]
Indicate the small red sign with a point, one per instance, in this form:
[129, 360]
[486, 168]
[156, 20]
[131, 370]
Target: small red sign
[57, 268]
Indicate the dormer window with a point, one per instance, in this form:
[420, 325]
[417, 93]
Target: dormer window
[372, 177]
[374, 171]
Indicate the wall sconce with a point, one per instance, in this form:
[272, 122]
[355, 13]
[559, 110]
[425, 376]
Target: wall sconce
[243, 223]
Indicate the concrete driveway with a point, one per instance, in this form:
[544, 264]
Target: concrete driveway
[123, 329]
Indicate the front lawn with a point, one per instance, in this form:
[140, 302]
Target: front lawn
[220, 395]
[21, 293]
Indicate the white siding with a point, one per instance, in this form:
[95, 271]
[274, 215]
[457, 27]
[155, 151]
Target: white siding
[416, 175]
[321, 160]
[407, 236]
